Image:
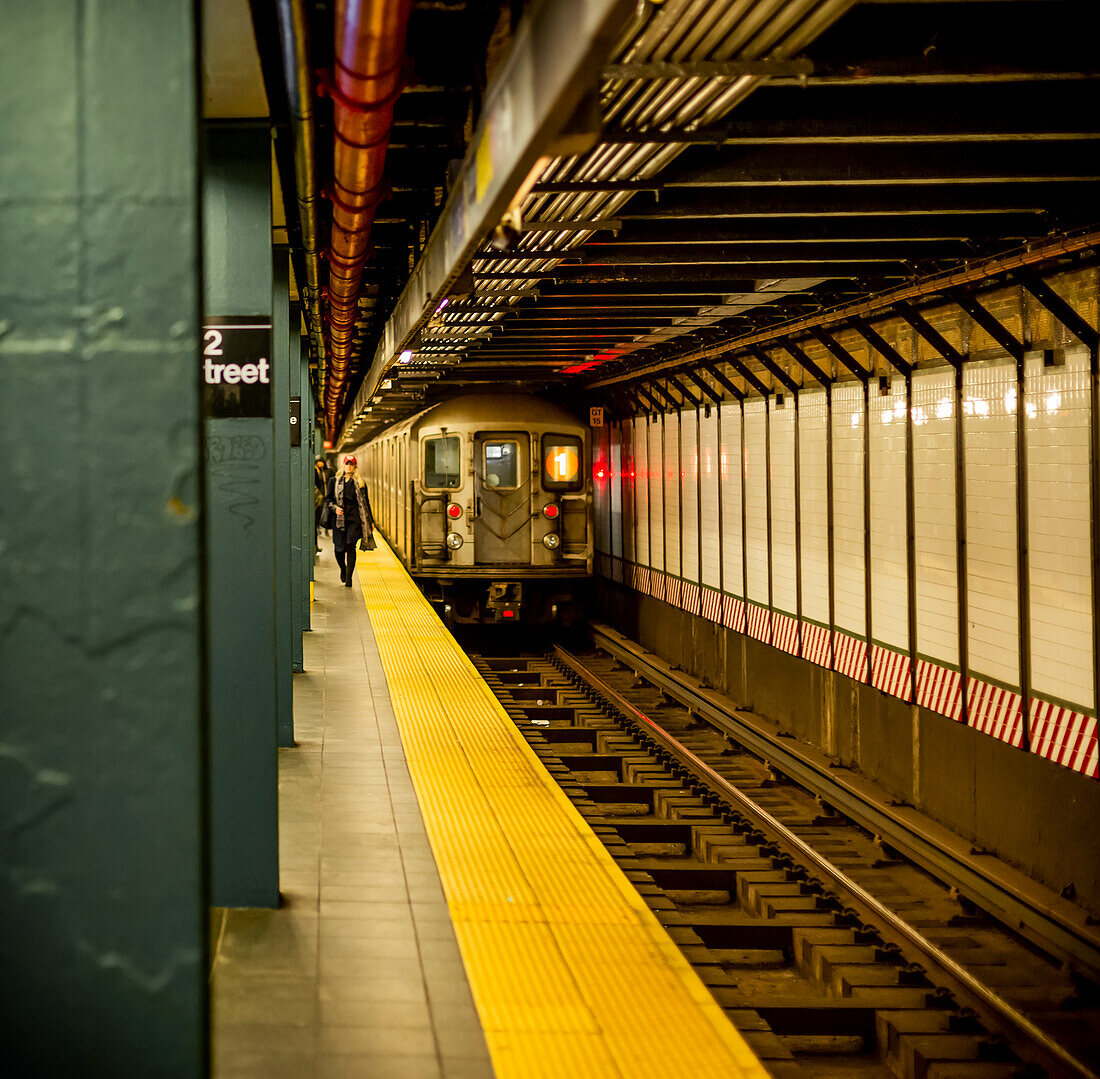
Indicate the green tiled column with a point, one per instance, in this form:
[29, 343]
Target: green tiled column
[281, 354]
[297, 501]
[240, 534]
[102, 891]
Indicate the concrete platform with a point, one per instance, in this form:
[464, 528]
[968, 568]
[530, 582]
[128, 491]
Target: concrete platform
[358, 974]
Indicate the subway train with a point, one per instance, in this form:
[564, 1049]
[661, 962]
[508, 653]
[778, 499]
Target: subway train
[487, 500]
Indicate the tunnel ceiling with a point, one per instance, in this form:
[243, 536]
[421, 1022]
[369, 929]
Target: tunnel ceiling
[842, 151]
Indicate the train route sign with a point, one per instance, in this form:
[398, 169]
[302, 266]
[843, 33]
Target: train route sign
[235, 354]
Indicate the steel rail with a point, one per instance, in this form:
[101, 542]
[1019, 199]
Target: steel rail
[1001, 1016]
[1035, 920]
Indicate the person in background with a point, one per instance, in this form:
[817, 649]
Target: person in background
[320, 485]
[347, 494]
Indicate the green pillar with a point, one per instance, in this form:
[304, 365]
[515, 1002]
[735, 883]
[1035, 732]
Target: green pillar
[308, 531]
[298, 450]
[102, 878]
[240, 519]
[281, 342]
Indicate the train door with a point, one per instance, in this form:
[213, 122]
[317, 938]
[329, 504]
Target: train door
[502, 494]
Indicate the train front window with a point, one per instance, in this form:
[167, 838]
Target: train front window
[501, 464]
[443, 461]
[561, 463]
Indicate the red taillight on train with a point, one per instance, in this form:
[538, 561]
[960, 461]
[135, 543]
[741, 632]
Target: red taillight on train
[550, 510]
[454, 510]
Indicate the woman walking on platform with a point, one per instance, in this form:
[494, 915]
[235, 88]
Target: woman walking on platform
[351, 517]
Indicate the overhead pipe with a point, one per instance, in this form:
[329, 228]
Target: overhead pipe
[370, 53]
[294, 37]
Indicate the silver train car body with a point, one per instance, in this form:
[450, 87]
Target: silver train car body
[487, 500]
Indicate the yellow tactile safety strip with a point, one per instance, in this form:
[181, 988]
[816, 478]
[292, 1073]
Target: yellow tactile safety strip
[571, 972]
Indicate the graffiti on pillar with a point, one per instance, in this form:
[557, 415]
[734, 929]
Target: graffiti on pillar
[233, 471]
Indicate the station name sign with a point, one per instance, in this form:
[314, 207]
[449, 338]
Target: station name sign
[235, 353]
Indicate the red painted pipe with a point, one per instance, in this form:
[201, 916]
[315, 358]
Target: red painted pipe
[370, 51]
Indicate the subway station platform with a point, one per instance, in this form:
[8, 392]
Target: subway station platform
[446, 912]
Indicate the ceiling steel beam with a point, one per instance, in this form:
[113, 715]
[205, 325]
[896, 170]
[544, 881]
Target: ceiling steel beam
[684, 391]
[559, 47]
[1060, 310]
[929, 333]
[881, 345]
[808, 365]
[723, 274]
[660, 394]
[734, 253]
[812, 230]
[646, 398]
[838, 166]
[935, 284]
[842, 354]
[988, 322]
[861, 201]
[705, 386]
[785, 115]
[747, 375]
[777, 372]
[725, 383]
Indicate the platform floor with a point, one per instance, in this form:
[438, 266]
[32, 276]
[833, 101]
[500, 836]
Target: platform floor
[444, 897]
[358, 974]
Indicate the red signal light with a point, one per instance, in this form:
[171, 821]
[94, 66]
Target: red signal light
[550, 510]
[506, 613]
[600, 473]
[454, 510]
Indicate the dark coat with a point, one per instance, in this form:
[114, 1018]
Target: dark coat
[352, 532]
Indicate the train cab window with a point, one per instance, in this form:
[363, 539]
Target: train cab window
[443, 461]
[501, 464]
[562, 458]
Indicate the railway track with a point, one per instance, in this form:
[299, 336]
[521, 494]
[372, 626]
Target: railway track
[831, 951]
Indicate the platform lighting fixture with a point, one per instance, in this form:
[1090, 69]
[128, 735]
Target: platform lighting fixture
[405, 356]
[387, 384]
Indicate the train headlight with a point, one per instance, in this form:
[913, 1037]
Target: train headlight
[550, 510]
[551, 541]
[454, 510]
[454, 541]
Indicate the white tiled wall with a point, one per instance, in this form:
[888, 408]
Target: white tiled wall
[756, 495]
[616, 482]
[732, 499]
[672, 493]
[689, 496]
[601, 489]
[814, 493]
[784, 560]
[936, 586]
[628, 470]
[656, 496]
[1059, 539]
[848, 560]
[641, 490]
[989, 439]
[889, 572]
[708, 498]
